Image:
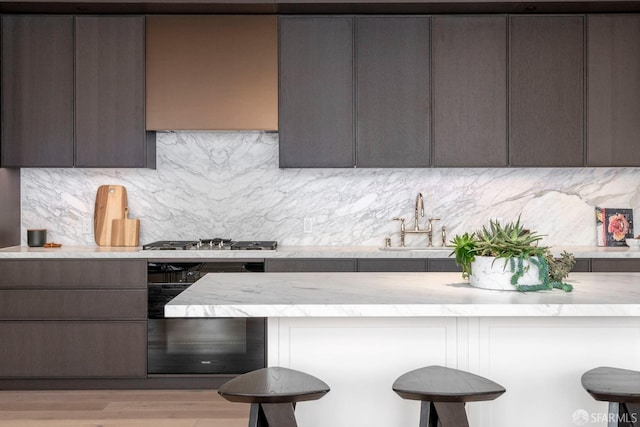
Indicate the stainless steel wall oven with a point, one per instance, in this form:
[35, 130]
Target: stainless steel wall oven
[200, 346]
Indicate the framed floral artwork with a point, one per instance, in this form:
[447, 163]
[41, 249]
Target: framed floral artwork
[613, 226]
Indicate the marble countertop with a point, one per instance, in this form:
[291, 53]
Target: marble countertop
[398, 295]
[18, 252]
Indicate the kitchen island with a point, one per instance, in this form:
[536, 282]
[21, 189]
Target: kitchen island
[360, 331]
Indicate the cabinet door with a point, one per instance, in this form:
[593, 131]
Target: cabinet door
[37, 91]
[110, 118]
[615, 265]
[385, 265]
[316, 91]
[613, 88]
[583, 265]
[73, 349]
[393, 121]
[546, 96]
[443, 265]
[73, 274]
[94, 304]
[9, 207]
[309, 265]
[469, 91]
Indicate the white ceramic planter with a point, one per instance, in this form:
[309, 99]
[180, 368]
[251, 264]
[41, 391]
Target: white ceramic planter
[487, 274]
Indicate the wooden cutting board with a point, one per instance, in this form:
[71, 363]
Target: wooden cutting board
[111, 202]
[125, 232]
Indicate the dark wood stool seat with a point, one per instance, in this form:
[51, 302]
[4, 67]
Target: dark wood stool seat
[273, 393]
[444, 392]
[619, 387]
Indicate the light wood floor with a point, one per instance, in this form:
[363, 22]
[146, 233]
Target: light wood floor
[89, 408]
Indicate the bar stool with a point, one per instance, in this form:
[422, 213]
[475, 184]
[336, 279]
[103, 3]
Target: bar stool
[444, 392]
[619, 387]
[273, 393]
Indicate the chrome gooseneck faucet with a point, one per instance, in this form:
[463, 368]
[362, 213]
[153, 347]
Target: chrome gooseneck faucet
[419, 212]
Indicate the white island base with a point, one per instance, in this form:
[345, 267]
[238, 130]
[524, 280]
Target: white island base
[538, 360]
[358, 332]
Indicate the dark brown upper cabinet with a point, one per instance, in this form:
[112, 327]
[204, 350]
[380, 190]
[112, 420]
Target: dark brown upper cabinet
[316, 91]
[109, 92]
[392, 92]
[77, 95]
[613, 88]
[469, 91]
[37, 91]
[9, 207]
[546, 91]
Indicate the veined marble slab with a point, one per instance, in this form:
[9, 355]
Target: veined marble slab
[229, 184]
[398, 295]
[71, 251]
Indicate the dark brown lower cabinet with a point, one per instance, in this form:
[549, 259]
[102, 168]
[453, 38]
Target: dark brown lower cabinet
[443, 265]
[583, 265]
[94, 304]
[602, 265]
[73, 273]
[310, 265]
[73, 319]
[392, 265]
[73, 349]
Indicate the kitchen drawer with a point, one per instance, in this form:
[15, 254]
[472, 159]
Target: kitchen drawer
[309, 265]
[443, 265]
[385, 265]
[615, 265]
[73, 273]
[583, 265]
[73, 304]
[73, 349]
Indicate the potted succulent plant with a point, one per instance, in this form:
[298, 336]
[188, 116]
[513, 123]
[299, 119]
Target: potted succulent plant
[508, 257]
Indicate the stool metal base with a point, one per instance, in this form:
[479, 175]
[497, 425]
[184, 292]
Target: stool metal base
[272, 415]
[624, 414]
[443, 414]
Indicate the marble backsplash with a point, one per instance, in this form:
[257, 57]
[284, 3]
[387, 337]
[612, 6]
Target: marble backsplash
[228, 184]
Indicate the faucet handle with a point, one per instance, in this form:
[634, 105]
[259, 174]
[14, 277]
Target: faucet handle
[432, 219]
[401, 219]
[402, 229]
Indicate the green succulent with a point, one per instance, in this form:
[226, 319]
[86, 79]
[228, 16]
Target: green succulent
[513, 243]
[509, 241]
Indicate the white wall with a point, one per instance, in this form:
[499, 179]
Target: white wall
[228, 184]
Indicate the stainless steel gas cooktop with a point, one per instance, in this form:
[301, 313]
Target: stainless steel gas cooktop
[211, 244]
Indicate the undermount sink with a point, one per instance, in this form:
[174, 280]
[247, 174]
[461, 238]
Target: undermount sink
[416, 249]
